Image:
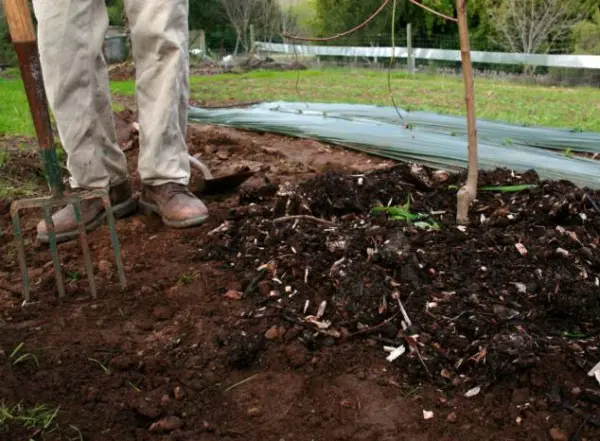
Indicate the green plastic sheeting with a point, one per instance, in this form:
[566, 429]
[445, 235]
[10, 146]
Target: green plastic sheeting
[492, 131]
[374, 130]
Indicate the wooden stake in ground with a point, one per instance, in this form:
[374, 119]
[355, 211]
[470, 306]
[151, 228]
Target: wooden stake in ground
[468, 192]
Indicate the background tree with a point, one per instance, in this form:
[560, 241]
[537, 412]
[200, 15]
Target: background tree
[586, 35]
[429, 30]
[209, 16]
[536, 26]
[240, 14]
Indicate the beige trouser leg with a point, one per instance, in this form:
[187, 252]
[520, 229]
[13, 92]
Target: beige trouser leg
[70, 36]
[159, 36]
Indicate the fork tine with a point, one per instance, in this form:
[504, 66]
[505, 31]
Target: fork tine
[114, 239]
[84, 246]
[21, 251]
[54, 250]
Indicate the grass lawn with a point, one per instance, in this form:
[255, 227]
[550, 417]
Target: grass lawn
[571, 108]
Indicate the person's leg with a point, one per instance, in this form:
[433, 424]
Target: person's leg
[70, 39]
[159, 36]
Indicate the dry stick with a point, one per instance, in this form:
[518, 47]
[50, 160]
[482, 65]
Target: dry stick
[374, 328]
[404, 314]
[409, 324]
[304, 217]
[468, 192]
[233, 386]
[423, 362]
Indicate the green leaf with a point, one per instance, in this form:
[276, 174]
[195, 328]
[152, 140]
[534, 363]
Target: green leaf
[509, 188]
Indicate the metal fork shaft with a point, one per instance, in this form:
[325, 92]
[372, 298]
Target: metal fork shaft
[114, 239]
[85, 247]
[20, 243]
[60, 284]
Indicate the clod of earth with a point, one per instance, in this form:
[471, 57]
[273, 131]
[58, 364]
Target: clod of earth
[167, 425]
[557, 434]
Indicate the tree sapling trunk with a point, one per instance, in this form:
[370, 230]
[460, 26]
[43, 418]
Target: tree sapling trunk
[468, 192]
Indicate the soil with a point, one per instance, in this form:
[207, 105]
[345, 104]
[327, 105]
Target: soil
[126, 70]
[273, 320]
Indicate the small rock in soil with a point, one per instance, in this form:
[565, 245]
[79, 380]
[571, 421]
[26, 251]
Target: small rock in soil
[233, 295]
[165, 400]
[167, 425]
[178, 393]
[452, 418]
[557, 434]
[274, 333]
[253, 411]
[104, 266]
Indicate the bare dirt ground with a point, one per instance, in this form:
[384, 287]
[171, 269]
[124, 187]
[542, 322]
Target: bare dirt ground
[270, 321]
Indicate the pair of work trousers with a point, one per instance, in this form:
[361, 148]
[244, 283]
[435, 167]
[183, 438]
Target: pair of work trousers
[70, 37]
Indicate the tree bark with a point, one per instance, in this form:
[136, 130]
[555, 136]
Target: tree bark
[468, 192]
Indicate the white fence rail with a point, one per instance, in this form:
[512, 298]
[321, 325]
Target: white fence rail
[569, 61]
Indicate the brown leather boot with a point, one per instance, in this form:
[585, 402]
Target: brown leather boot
[92, 213]
[175, 204]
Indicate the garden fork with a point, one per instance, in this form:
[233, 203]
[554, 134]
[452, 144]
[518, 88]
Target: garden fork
[23, 36]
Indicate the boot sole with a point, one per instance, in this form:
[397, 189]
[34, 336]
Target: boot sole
[120, 211]
[148, 208]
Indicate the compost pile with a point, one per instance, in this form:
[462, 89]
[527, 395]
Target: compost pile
[515, 287]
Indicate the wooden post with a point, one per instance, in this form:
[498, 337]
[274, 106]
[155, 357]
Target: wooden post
[409, 59]
[468, 192]
[202, 42]
[252, 38]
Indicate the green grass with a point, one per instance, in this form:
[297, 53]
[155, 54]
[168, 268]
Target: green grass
[15, 118]
[40, 418]
[12, 189]
[497, 100]
[123, 88]
[571, 108]
[17, 356]
[39, 422]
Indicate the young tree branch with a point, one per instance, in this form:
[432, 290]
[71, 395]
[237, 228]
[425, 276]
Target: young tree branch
[468, 192]
[433, 11]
